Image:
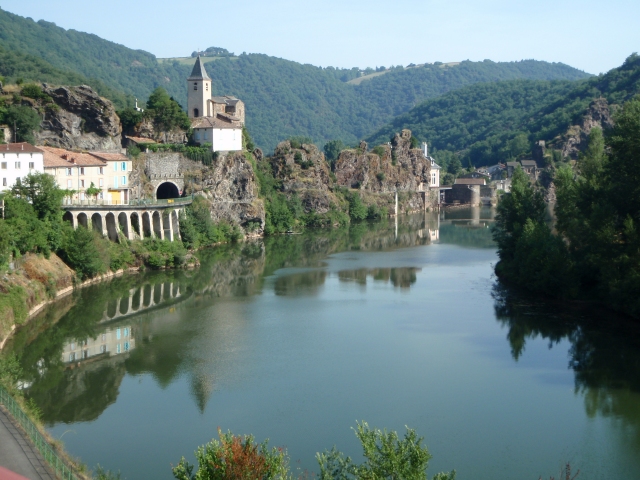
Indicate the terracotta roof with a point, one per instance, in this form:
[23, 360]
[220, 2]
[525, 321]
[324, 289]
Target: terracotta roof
[470, 181]
[140, 139]
[59, 157]
[212, 122]
[19, 148]
[512, 164]
[110, 157]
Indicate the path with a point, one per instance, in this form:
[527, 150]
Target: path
[18, 454]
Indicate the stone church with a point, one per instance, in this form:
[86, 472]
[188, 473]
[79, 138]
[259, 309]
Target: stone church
[215, 120]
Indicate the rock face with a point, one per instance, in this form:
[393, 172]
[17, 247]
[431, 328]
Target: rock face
[146, 129]
[389, 168]
[229, 184]
[81, 119]
[576, 139]
[304, 172]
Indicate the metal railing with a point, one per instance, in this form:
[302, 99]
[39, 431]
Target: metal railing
[168, 201]
[57, 464]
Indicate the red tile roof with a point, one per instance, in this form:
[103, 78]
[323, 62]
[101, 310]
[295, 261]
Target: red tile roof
[19, 148]
[140, 139]
[110, 157]
[59, 157]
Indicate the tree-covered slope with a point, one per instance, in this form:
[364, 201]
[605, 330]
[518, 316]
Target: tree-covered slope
[283, 98]
[484, 122]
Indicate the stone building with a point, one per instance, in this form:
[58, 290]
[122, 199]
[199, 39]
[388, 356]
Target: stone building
[214, 119]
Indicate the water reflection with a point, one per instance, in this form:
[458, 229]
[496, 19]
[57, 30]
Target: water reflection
[604, 353]
[402, 277]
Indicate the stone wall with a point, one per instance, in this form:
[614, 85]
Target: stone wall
[463, 194]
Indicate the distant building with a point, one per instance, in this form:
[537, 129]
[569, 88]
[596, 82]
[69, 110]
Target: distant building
[214, 120]
[112, 341]
[17, 160]
[435, 168]
[108, 172]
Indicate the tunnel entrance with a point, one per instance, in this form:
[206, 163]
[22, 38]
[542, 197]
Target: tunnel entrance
[167, 190]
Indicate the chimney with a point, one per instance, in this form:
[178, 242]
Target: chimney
[22, 146]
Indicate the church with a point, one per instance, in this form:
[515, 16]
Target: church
[214, 120]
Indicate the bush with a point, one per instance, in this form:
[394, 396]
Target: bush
[81, 252]
[357, 209]
[380, 176]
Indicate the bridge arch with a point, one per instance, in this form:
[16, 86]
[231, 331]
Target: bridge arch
[167, 190]
[96, 222]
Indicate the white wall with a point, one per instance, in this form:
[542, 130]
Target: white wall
[226, 139]
[9, 171]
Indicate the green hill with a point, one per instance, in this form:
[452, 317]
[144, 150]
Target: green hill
[481, 122]
[283, 98]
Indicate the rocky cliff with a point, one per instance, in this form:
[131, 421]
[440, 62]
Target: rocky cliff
[388, 168]
[576, 139]
[79, 119]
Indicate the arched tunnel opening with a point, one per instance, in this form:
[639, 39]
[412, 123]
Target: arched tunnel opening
[167, 190]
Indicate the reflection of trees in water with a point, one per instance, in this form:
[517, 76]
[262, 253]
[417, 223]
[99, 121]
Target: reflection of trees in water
[304, 283]
[402, 277]
[604, 353]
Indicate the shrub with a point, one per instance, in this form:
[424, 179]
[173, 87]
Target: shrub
[379, 150]
[81, 252]
[357, 209]
[380, 176]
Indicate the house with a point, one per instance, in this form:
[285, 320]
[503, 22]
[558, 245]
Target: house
[435, 168]
[470, 180]
[139, 142]
[109, 172]
[215, 120]
[531, 168]
[17, 160]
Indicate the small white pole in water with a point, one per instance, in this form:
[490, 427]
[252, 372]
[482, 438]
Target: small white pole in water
[396, 214]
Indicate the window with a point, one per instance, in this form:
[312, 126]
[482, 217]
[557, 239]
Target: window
[123, 166]
[115, 182]
[104, 337]
[81, 170]
[85, 354]
[68, 171]
[17, 165]
[82, 183]
[126, 332]
[124, 180]
[82, 196]
[101, 170]
[126, 346]
[32, 165]
[118, 348]
[4, 182]
[4, 165]
[206, 87]
[73, 345]
[72, 357]
[115, 166]
[118, 333]
[196, 112]
[103, 349]
[101, 195]
[69, 184]
[101, 182]
[195, 85]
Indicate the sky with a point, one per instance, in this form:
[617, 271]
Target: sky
[593, 36]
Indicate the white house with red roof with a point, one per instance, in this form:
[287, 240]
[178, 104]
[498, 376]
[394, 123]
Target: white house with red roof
[17, 160]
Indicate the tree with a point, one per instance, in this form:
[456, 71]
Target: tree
[387, 457]
[81, 252]
[44, 194]
[332, 150]
[165, 112]
[93, 191]
[26, 121]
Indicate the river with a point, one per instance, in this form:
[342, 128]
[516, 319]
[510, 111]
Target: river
[297, 337]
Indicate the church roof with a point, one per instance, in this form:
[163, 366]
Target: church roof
[199, 72]
[213, 122]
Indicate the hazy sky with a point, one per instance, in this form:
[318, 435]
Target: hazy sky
[594, 36]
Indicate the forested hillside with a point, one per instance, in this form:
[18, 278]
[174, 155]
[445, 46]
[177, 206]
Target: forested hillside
[491, 122]
[283, 98]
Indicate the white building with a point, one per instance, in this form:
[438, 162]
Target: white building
[214, 120]
[17, 160]
[435, 168]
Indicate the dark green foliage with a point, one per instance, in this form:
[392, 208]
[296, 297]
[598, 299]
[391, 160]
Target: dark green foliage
[41, 190]
[357, 209]
[34, 91]
[129, 118]
[80, 252]
[493, 122]
[596, 253]
[24, 118]
[165, 112]
[332, 151]
[378, 150]
[247, 142]
[163, 254]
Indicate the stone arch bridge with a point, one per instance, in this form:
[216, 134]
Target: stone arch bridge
[155, 220]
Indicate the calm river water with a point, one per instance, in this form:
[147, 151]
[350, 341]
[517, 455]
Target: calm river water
[297, 337]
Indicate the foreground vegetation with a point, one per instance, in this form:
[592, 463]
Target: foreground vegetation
[595, 251]
[386, 457]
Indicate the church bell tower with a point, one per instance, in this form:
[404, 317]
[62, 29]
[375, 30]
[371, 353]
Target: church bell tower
[199, 91]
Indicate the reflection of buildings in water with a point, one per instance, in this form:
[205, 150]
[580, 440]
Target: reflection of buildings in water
[402, 277]
[141, 298]
[112, 341]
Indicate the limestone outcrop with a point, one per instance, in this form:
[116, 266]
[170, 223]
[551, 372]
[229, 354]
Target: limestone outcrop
[576, 139]
[388, 168]
[146, 129]
[79, 119]
[304, 172]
